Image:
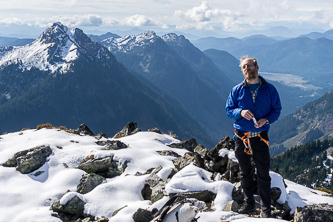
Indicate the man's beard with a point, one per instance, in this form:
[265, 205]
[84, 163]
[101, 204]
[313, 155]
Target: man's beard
[250, 74]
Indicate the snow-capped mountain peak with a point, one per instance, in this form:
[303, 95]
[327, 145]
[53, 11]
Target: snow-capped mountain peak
[54, 50]
[130, 42]
[175, 39]
[170, 37]
[57, 30]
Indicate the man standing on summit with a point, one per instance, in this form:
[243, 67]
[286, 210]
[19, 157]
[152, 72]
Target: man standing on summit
[254, 104]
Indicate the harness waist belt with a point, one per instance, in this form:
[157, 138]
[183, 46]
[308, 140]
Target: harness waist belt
[246, 140]
[251, 134]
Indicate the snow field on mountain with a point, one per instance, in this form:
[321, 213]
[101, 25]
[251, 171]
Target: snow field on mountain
[25, 197]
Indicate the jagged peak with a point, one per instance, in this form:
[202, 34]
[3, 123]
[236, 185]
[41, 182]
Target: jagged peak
[58, 25]
[56, 31]
[145, 36]
[170, 37]
[129, 42]
[55, 50]
[148, 35]
[173, 37]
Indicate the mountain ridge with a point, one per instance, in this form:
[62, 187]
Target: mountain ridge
[176, 66]
[312, 122]
[54, 50]
[182, 62]
[93, 88]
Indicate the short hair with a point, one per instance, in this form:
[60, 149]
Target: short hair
[254, 60]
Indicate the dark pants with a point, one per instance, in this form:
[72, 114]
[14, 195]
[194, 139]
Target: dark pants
[261, 159]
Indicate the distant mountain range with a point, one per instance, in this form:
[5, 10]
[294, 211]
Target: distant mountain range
[7, 41]
[66, 79]
[316, 35]
[305, 56]
[308, 57]
[302, 62]
[174, 65]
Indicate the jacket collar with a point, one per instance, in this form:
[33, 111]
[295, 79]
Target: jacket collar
[262, 81]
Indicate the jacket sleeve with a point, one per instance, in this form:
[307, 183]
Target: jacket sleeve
[232, 109]
[275, 105]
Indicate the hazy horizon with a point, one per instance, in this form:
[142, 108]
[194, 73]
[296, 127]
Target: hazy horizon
[215, 18]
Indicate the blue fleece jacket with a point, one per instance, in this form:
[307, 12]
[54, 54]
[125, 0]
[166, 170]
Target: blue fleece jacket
[267, 105]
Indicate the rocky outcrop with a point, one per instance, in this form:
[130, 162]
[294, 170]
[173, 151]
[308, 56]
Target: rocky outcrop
[129, 129]
[84, 130]
[190, 144]
[71, 206]
[29, 160]
[112, 145]
[88, 182]
[105, 167]
[142, 215]
[314, 213]
[74, 206]
[155, 130]
[101, 135]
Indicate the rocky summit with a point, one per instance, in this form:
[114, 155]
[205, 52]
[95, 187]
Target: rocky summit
[75, 175]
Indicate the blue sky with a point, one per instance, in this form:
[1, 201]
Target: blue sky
[209, 17]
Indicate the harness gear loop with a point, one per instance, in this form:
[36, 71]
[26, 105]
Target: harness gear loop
[266, 141]
[246, 141]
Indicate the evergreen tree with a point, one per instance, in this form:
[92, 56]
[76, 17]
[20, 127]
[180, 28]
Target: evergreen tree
[305, 164]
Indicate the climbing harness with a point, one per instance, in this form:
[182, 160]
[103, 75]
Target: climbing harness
[246, 141]
[266, 141]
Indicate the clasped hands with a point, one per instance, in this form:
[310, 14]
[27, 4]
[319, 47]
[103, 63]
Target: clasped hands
[247, 114]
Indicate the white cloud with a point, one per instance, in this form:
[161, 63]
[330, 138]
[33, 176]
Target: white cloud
[198, 26]
[202, 13]
[322, 16]
[201, 17]
[110, 21]
[11, 22]
[141, 20]
[265, 12]
[70, 21]
[76, 20]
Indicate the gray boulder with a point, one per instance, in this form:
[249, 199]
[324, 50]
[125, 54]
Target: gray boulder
[142, 215]
[75, 206]
[130, 129]
[314, 213]
[105, 167]
[112, 145]
[168, 153]
[232, 172]
[84, 130]
[150, 182]
[237, 193]
[190, 145]
[205, 195]
[155, 130]
[30, 160]
[93, 165]
[231, 206]
[88, 182]
[183, 161]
